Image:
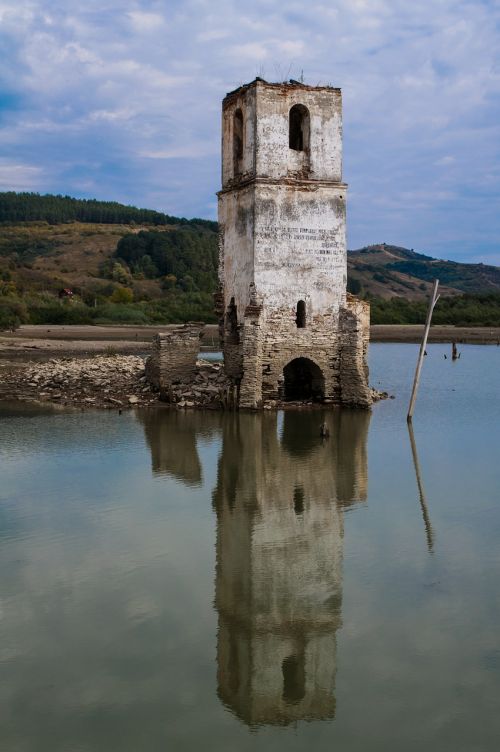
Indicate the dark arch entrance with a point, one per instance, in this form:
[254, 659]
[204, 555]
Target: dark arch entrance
[303, 381]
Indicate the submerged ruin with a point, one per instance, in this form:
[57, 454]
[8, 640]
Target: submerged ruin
[289, 331]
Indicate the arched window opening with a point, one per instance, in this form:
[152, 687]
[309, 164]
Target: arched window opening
[298, 500]
[232, 317]
[238, 142]
[298, 134]
[294, 678]
[300, 317]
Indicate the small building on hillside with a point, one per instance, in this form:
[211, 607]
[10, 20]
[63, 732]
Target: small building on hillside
[289, 329]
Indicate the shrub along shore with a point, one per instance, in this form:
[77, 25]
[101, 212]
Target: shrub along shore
[459, 311]
[67, 261]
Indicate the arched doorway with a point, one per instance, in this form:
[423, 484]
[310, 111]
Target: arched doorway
[304, 381]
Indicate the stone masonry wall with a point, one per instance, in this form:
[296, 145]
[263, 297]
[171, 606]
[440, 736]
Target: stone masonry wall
[174, 356]
[284, 342]
[250, 395]
[337, 345]
[354, 336]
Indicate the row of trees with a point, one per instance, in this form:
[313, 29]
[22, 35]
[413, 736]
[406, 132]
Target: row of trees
[33, 207]
[44, 308]
[186, 258]
[456, 310]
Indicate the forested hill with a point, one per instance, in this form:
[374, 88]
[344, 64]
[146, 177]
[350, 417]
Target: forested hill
[33, 207]
[387, 271]
[66, 260]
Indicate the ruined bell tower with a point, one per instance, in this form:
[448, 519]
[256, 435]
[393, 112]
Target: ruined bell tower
[289, 330]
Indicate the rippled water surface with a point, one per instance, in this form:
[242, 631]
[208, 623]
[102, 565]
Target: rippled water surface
[232, 582]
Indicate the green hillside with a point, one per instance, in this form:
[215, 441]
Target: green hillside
[127, 265]
[386, 271]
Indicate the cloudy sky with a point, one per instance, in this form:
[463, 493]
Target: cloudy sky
[120, 99]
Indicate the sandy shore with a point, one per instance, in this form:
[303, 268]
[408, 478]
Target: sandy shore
[44, 342]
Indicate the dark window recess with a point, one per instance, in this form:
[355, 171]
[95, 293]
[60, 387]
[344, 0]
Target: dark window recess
[299, 128]
[232, 317]
[300, 317]
[238, 142]
[298, 500]
[294, 678]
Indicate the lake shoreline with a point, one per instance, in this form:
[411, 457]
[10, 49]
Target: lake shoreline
[411, 333]
[43, 342]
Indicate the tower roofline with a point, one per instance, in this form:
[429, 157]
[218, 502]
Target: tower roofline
[283, 86]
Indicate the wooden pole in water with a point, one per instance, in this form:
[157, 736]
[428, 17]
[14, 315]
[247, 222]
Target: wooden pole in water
[416, 380]
[423, 504]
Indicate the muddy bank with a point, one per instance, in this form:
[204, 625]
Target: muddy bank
[42, 343]
[49, 341]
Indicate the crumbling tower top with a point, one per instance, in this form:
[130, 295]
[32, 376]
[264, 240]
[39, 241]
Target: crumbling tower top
[281, 130]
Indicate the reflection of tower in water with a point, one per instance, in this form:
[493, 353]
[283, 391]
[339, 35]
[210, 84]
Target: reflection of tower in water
[279, 503]
[172, 439]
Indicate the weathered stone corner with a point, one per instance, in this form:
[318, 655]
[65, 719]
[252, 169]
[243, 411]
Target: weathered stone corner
[354, 334]
[174, 357]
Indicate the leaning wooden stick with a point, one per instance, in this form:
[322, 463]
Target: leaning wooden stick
[416, 380]
[423, 503]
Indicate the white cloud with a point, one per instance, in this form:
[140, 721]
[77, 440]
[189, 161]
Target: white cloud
[145, 22]
[291, 47]
[192, 150]
[125, 113]
[140, 83]
[213, 35]
[250, 51]
[445, 161]
[20, 177]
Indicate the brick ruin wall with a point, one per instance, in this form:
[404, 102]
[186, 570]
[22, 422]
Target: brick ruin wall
[259, 350]
[174, 357]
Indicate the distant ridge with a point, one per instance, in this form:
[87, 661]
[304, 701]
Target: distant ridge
[387, 271]
[49, 242]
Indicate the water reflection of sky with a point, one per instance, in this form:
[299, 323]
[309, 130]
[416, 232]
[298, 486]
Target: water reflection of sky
[189, 579]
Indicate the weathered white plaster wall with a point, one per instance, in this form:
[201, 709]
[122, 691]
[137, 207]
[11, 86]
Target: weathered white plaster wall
[274, 158]
[236, 226]
[245, 101]
[289, 237]
[300, 247]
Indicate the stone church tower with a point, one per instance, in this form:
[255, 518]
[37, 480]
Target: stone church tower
[289, 329]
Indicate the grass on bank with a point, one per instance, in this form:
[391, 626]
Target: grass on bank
[180, 306]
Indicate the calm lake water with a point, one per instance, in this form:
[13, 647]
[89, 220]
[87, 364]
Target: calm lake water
[230, 582]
